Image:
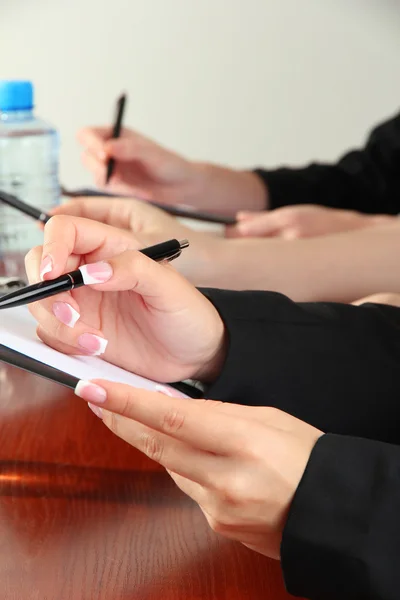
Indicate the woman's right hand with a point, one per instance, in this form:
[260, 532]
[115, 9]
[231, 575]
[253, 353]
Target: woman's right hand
[151, 225]
[146, 170]
[143, 316]
[142, 168]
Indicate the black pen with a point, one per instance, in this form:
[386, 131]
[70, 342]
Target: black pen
[75, 279]
[23, 207]
[116, 132]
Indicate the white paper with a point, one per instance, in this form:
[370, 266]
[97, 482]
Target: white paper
[18, 332]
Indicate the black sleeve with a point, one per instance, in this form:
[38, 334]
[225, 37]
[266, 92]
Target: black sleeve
[342, 537]
[366, 180]
[334, 366]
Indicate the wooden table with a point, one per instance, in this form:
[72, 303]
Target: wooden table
[85, 516]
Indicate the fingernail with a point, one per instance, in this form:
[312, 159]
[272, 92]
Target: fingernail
[163, 389]
[45, 266]
[90, 392]
[96, 409]
[65, 313]
[94, 344]
[99, 272]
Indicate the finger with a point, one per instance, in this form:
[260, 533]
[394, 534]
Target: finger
[95, 166]
[261, 414]
[189, 462]
[131, 147]
[66, 236]
[94, 138]
[57, 318]
[161, 287]
[60, 320]
[33, 263]
[65, 310]
[176, 417]
[267, 224]
[50, 341]
[191, 488]
[244, 215]
[111, 211]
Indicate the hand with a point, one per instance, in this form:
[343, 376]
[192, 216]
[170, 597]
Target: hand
[156, 324]
[241, 464]
[148, 171]
[151, 225]
[291, 222]
[383, 298]
[142, 168]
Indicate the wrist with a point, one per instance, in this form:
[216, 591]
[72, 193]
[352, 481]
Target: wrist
[254, 192]
[203, 262]
[212, 366]
[221, 189]
[201, 184]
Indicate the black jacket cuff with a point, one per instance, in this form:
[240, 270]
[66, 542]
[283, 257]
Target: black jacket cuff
[342, 537]
[334, 366]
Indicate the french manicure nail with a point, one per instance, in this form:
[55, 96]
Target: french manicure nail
[163, 389]
[65, 313]
[90, 392]
[99, 272]
[46, 266]
[93, 344]
[96, 409]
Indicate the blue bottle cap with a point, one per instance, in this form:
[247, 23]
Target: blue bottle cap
[16, 95]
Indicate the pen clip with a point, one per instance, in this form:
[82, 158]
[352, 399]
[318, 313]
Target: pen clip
[176, 255]
[182, 244]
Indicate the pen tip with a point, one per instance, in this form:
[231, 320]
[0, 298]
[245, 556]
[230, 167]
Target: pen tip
[184, 244]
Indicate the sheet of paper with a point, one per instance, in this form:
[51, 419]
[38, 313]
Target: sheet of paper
[18, 332]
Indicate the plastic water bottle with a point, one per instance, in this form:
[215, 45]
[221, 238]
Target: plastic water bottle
[29, 156]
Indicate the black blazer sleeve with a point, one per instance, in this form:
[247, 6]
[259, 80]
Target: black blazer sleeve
[366, 180]
[342, 536]
[334, 366]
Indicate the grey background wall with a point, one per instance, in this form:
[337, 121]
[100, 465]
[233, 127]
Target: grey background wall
[242, 82]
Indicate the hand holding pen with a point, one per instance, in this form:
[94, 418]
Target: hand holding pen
[164, 251]
[143, 315]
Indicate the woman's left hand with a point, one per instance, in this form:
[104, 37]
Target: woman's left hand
[241, 464]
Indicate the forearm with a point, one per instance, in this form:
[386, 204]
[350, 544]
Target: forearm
[340, 267]
[224, 190]
[366, 180]
[331, 365]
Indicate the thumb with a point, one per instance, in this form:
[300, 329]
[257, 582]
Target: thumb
[158, 283]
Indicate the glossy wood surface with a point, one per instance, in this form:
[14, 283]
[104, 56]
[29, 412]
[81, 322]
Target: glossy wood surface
[85, 516]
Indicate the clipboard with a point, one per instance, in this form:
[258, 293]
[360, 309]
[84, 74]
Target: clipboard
[176, 211]
[21, 348]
